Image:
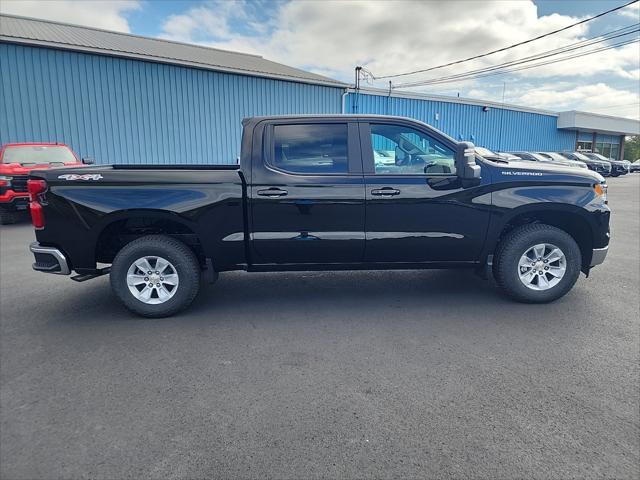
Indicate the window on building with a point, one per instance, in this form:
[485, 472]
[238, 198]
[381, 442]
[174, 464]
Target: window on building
[311, 148]
[405, 151]
[608, 149]
[585, 146]
[615, 151]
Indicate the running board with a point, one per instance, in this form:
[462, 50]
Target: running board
[88, 276]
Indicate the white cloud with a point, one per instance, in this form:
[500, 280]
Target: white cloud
[395, 36]
[207, 22]
[632, 11]
[599, 98]
[565, 95]
[106, 14]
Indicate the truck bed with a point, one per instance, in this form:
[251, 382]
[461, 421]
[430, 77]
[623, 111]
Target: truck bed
[84, 204]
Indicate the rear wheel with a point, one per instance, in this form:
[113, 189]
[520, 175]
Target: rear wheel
[537, 263]
[155, 276]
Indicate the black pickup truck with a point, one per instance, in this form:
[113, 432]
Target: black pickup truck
[321, 193]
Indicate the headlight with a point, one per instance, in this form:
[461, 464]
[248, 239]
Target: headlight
[601, 191]
[5, 181]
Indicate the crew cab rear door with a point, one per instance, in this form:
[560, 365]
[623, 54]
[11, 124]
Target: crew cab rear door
[417, 210]
[307, 195]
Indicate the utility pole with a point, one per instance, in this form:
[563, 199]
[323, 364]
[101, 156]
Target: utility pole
[357, 89]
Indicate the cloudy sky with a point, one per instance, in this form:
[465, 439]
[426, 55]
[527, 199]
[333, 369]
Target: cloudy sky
[391, 37]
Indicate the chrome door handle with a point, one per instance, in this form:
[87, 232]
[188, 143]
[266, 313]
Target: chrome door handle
[385, 192]
[272, 192]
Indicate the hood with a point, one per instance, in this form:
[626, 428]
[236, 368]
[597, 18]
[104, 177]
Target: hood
[574, 163]
[618, 162]
[550, 170]
[19, 169]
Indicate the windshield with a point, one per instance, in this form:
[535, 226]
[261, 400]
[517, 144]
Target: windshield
[484, 152]
[597, 156]
[554, 156]
[580, 156]
[38, 154]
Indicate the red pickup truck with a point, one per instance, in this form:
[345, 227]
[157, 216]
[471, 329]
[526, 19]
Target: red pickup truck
[16, 161]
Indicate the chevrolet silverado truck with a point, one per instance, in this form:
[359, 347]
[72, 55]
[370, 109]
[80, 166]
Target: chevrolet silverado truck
[16, 161]
[321, 193]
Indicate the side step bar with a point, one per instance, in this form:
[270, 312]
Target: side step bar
[83, 277]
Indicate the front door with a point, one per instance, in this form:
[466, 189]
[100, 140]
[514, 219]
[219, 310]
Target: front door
[416, 207]
[307, 195]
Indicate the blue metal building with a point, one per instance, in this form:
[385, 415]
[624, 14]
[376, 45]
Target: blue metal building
[484, 124]
[122, 98]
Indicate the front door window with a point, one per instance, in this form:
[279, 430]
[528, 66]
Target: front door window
[403, 150]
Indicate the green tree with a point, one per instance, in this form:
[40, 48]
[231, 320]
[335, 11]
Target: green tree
[632, 148]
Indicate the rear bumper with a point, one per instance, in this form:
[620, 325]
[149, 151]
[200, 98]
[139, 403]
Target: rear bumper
[49, 260]
[598, 255]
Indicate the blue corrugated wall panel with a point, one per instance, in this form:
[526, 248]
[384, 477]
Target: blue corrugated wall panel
[126, 111]
[498, 129]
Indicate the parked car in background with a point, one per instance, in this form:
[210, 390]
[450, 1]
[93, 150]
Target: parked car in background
[635, 166]
[600, 166]
[556, 157]
[497, 157]
[536, 157]
[618, 167]
[16, 161]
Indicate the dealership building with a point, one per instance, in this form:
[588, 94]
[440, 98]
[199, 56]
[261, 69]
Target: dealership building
[120, 98]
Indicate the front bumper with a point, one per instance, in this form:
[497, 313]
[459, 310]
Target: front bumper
[604, 170]
[11, 200]
[49, 260]
[619, 170]
[598, 255]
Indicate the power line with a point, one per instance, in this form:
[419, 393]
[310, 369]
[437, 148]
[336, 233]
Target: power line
[539, 56]
[559, 60]
[501, 70]
[507, 47]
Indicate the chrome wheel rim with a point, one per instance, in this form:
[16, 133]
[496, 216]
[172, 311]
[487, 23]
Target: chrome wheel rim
[542, 266]
[152, 280]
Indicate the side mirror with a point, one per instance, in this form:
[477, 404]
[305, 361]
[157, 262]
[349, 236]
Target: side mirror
[88, 161]
[466, 166]
[400, 156]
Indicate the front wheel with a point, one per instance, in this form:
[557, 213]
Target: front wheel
[155, 276]
[537, 263]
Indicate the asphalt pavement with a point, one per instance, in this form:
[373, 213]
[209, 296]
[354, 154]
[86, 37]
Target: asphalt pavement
[430, 374]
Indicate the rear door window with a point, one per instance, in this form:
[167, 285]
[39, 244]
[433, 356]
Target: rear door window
[314, 148]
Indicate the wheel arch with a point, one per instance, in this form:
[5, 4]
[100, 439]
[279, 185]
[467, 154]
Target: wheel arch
[116, 230]
[569, 218]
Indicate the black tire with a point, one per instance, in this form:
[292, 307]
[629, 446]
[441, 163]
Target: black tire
[519, 241]
[7, 218]
[178, 254]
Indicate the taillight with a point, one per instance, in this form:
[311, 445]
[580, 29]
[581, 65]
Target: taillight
[36, 188]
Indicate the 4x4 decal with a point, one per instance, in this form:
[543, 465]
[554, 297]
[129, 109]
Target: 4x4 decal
[75, 176]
